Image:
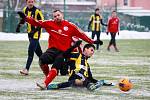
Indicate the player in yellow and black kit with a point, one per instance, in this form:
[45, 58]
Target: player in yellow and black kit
[33, 33]
[95, 23]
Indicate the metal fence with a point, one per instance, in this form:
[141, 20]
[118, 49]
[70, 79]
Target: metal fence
[80, 18]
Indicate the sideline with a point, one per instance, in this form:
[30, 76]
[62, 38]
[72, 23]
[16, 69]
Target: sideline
[122, 35]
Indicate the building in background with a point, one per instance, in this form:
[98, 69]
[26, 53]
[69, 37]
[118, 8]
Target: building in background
[144, 4]
[134, 14]
[70, 5]
[1, 14]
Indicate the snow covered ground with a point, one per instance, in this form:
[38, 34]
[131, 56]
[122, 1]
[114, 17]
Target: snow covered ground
[123, 35]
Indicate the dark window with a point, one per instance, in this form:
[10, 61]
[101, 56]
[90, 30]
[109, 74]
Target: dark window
[125, 2]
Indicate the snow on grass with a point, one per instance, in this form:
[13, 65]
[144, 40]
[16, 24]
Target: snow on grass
[123, 35]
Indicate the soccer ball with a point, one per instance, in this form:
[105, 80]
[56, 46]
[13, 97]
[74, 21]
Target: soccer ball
[125, 84]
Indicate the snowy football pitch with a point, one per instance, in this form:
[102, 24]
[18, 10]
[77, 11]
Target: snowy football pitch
[133, 62]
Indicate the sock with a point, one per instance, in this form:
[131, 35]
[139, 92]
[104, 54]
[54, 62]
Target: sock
[66, 84]
[45, 69]
[29, 61]
[51, 75]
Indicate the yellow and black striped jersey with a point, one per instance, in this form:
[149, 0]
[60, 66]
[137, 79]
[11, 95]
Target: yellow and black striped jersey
[95, 22]
[35, 13]
[79, 64]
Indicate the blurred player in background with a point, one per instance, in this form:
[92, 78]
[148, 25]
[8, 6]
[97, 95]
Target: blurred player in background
[33, 33]
[95, 23]
[60, 39]
[113, 29]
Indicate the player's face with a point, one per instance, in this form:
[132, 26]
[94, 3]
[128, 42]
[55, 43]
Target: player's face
[97, 12]
[114, 14]
[30, 3]
[57, 16]
[89, 51]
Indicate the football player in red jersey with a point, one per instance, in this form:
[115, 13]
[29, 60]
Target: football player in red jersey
[60, 39]
[113, 28]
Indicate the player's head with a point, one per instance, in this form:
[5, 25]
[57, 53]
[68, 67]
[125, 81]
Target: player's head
[114, 13]
[30, 3]
[88, 50]
[57, 15]
[97, 11]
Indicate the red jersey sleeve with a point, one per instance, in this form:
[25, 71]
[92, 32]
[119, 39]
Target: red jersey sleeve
[81, 34]
[34, 22]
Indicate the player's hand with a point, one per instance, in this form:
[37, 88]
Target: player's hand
[21, 14]
[77, 44]
[118, 33]
[88, 30]
[98, 42]
[105, 83]
[66, 54]
[18, 28]
[107, 33]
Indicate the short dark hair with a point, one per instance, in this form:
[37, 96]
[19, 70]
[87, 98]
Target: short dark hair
[96, 9]
[27, 0]
[113, 11]
[88, 46]
[57, 10]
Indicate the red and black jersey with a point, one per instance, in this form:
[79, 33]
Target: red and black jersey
[60, 35]
[113, 25]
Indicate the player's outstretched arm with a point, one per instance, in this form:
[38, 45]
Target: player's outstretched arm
[68, 51]
[22, 21]
[21, 14]
[31, 20]
[98, 42]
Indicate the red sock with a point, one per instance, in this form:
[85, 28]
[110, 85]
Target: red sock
[51, 75]
[45, 69]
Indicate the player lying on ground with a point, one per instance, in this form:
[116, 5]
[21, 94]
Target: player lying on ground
[80, 73]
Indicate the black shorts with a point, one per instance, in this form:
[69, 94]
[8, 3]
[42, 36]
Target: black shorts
[50, 55]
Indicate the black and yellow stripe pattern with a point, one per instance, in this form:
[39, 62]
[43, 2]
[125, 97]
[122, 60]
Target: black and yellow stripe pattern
[36, 14]
[96, 22]
[80, 64]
